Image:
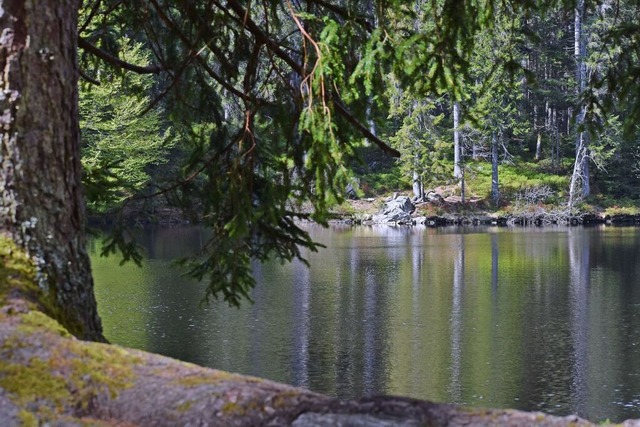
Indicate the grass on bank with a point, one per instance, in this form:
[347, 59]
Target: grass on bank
[522, 185]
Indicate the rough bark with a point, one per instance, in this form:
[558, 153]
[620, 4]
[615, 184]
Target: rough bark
[47, 377]
[42, 205]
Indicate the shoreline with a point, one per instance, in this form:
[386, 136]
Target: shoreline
[365, 211]
[445, 212]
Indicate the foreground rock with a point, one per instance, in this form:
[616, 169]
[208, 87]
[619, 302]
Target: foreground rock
[48, 377]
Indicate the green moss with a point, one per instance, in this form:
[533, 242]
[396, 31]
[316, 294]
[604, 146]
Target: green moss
[235, 409]
[196, 380]
[18, 280]
[33, 382]
[100, 366]
[27, 419]
[17, 272]
[37, 321]
[232, 408]
[64, 377]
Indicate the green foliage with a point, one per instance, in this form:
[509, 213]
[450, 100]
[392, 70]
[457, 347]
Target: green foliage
[119, 142]
[269, 102]
[515, 179]
[422, 138]
[384, 182]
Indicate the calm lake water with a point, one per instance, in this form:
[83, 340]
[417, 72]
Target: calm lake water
[529, 318]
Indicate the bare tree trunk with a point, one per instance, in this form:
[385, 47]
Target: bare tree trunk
[42, 204]
[457, 151]
[418, 186]
[581, 168]
[370, 122]
[576, 177]
[539, 131]
[495, 193]
[556, 139]
[463, 196]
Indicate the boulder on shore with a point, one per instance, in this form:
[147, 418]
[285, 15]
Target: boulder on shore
[397, 210]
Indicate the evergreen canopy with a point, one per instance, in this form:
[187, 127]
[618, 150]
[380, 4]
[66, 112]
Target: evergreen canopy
[270, 98]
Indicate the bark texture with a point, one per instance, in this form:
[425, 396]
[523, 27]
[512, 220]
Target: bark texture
[42, 206]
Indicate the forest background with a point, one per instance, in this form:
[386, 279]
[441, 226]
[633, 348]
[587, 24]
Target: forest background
[534, 113]
[514, 107]
[247, 116]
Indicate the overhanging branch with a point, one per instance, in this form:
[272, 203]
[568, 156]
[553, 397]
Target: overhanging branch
[344, 112]
[88, 78]
[188, 43]
[253, 28]
[114, 60]
[345, 13]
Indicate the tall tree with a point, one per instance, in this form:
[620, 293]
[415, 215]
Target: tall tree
[122, 139]
[42, 204]
[580, 175]
[457, 147]
[458, 170]
[495, 94]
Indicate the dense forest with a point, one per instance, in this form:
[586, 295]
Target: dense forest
[526, 107]
[246, 116]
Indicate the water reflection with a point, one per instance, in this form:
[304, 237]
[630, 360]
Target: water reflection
[579, 267]
[456, 319]
[538, 319]
[302, 301]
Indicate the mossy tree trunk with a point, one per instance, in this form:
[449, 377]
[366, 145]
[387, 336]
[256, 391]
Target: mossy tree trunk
[42, 203]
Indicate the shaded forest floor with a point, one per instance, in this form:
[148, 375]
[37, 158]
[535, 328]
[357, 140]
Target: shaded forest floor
[530, 193]
[450, 209]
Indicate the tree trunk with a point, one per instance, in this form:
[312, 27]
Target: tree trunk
[581, 168]
[457, 151]
[538, 128]
[370, 122]
[539, 145]
[556, 140]
[418, 187]
[577, 177]
[495, 193]
[42, 204]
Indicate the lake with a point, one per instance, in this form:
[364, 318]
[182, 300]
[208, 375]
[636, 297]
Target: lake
[529, 318]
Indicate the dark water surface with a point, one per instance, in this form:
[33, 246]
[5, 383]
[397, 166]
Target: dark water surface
[536, 319]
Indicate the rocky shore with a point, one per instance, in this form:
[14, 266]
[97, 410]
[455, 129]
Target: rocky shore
[403, 210]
